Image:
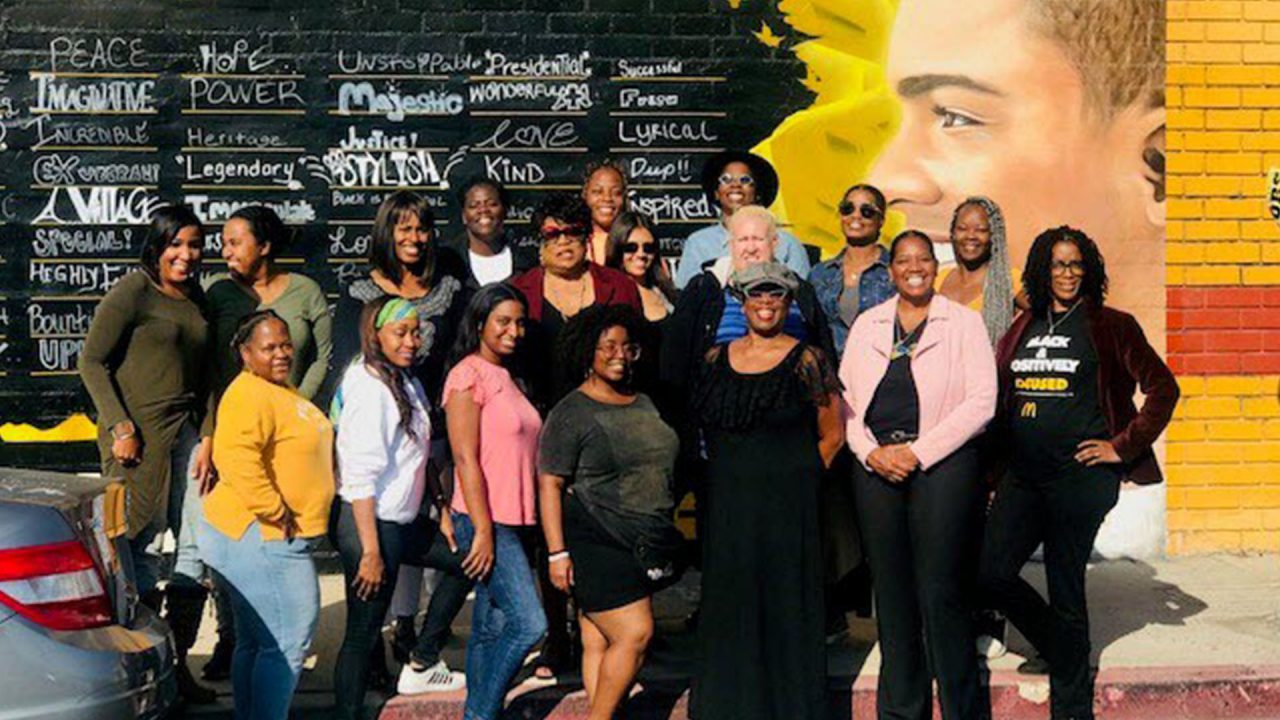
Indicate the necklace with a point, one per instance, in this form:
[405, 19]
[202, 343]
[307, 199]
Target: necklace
[1054, 325]
[904, 343]
[582, 296]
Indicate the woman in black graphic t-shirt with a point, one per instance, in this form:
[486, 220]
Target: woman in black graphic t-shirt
[1068, 370]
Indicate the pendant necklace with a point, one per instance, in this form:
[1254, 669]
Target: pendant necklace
[1055, 325]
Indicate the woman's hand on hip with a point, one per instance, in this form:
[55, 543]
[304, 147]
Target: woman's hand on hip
[369, 576]
[479, 561]
[1096, 452]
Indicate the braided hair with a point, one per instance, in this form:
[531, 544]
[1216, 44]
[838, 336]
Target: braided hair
[245, 329]
[997, 291]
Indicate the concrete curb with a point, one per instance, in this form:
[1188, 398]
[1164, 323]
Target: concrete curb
[1163, 693]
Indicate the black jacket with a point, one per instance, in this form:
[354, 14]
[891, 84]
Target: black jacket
[523, 257]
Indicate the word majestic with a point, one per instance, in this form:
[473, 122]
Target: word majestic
[355, 97]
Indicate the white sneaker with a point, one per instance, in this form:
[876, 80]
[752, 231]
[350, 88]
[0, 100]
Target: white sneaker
[436, 678]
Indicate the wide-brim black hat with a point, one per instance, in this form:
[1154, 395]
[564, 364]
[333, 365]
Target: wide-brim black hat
[766, 178]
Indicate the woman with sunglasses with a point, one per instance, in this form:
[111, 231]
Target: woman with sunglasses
[857, 278]
[853, 281]
[566, 284]
[733, 180]
[770, 413]
[920, 384]
[1068, 370]
[606, 462]
[633, 249]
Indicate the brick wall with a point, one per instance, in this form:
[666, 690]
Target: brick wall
[1223, 259]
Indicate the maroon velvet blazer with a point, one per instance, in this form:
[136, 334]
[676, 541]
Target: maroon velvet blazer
[1125, 361]
[612, 287]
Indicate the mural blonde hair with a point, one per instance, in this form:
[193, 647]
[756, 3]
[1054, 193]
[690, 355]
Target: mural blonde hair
[1118, 46]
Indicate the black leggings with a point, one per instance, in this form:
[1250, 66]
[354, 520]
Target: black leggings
[419, 543]
[1064, 510]
[918, 539]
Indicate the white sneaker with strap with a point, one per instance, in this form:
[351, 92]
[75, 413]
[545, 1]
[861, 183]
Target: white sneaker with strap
[415, 680]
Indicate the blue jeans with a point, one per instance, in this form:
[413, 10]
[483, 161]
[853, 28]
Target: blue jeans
[183, 518]
[275, 595]
[506, 620]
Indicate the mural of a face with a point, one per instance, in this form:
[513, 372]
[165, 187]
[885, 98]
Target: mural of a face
[1017, 100]
[990, 105]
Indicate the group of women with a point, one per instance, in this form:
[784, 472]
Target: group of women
[523, 421]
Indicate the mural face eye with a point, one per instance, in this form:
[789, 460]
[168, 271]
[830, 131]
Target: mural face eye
[954, 119]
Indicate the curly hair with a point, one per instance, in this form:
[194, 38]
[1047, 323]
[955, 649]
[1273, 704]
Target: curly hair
[1037, 278]
[371, 354]
[566, 207]
[605, 164]
[576, 346]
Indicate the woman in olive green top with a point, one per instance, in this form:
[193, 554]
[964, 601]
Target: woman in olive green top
[144, 364]
[252, 240]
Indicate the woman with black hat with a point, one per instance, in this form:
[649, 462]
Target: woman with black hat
[732, 180]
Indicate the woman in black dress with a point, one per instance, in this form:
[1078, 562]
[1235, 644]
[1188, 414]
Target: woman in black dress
[770, 414]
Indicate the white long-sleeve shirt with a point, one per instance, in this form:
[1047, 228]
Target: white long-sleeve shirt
[376, 458]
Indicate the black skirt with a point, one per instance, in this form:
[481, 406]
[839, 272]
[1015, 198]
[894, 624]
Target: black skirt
[606, 574]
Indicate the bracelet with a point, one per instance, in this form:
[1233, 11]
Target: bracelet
[556, 556]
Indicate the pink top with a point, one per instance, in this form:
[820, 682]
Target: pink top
[953, 366]
[509, 427]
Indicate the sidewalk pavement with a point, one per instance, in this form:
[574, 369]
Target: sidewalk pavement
[1194, 638]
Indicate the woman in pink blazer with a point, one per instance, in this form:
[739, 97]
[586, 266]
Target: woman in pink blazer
[920, 385]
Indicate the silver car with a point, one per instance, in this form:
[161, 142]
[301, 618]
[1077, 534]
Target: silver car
[74, 639]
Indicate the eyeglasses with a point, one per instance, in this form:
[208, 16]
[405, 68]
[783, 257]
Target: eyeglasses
[631, 247]
[629, 351]
[568, 233]
[727, 179]
[868, 212]
[775, 293]
[1074, 267]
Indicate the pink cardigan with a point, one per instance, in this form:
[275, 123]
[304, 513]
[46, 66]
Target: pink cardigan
[954, 369]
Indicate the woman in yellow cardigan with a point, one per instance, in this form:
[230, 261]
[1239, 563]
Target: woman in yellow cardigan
[274, 454]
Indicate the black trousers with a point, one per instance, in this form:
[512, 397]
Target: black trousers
[419, 543]
[918, 539]
[1063, 510]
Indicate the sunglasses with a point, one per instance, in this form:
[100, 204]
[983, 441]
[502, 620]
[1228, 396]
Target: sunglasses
[773, 293]
[631, 247]
[868, 212]
[727, 179]
[567, 233]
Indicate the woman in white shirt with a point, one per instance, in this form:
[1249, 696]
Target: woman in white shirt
[380, 412]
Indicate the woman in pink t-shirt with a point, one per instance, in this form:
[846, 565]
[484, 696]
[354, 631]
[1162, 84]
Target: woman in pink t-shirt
[493, 431]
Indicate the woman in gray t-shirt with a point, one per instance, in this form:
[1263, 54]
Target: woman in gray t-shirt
[606, 462]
